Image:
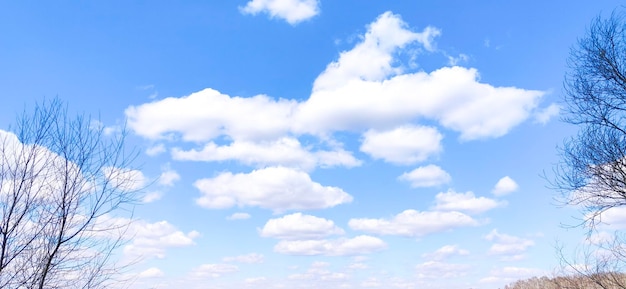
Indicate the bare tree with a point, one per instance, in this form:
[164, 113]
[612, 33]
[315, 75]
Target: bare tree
[592, 173]
[61, 180]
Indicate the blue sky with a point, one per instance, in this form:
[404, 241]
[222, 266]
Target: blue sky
[319, 144]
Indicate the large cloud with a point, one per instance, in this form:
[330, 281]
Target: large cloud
[275, 188]
[364, 89]
[411, 223]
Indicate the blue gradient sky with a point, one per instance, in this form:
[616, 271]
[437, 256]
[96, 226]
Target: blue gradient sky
[319, 144]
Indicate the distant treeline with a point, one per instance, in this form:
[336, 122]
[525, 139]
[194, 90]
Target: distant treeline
[595, 281]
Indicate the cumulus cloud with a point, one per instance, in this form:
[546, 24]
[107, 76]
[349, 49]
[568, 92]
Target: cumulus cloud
[286, 151]
[168, 177]
[292, 11]
[152, 239]
[339, 247]
[411, 223]
[363, 89]
[445, 252]
[207, 114]
[366, 88]
[298, 227]
[403, 145]
[510, 247]
[426, 176]
[276, 188]
[465, 202]
[505, 186]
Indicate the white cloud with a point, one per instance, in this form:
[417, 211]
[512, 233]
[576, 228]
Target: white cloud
[613, 218]
[298, 227]
[125, 179]
[276, 188]
[151, 273]
[151, 197]
[213, 270]
[238, 216]
[207, 114]
[445, 252]
[437, 270]
[465, 202]
[152, 239]
[340, 247]
[402, 145]
[426, 176]
[168, 177]
[545, 115]
[292, 11]
[155, 150]
[366, 89]
[286, 152]
[411, 223]
[510, 247]
[252, 258]
[505, 186]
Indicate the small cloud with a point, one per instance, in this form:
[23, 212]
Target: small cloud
[446, 252]
[544, 116]
[453, 61]
[151, 197]
[465, 202]
[505, 186]
[427, 176]
[168, 177]
[292, 11]
[151, 273]
[155, 150]
[511, 248]
[238, 216]
[299, 227]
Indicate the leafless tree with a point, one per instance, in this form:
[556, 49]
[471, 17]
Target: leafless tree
[61, 181]
[592, 173]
